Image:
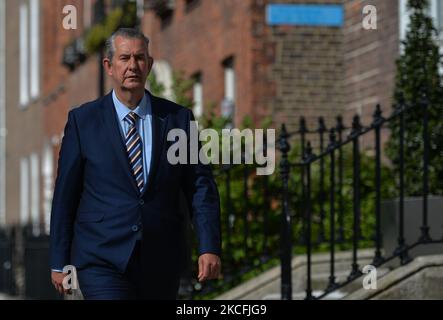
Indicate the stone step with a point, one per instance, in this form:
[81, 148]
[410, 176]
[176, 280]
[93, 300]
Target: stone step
[336, 295]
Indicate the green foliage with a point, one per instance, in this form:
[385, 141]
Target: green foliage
[180, 88]
[155, 87]
[211, 120]
[129, 18]
[367, 194]
[256, 205]
[123, 17]
[418, 77]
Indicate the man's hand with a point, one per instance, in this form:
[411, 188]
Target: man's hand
[57, 281]
[209, 266]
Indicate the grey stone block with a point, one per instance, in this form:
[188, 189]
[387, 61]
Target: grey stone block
[412, 222]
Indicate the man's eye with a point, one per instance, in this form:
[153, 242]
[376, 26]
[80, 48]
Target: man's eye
[124, 58]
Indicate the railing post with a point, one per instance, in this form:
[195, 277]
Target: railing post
[341, 228]
[321, 131]
[229, 223]
[425, 237]
[302, 131]
[266, 208]
[332, 144]
[307, 162]
[245, 215]
[401, 250]
[356, 129]
[286, 244]
[377, 123]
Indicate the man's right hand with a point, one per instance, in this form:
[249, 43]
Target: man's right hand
[57, 281]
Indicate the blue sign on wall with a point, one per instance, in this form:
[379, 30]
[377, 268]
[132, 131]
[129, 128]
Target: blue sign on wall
[305, 14]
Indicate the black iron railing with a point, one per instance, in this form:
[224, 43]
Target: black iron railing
[250, 227]
[334, 154]
[265, 218]
[24, 258]
[7, 283]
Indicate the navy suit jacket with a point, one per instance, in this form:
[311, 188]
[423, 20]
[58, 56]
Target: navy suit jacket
[97, 209]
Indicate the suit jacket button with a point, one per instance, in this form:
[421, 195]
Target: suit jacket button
[134, 228]
[142, 202]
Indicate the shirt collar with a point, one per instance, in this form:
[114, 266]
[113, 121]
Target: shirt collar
[142, 109]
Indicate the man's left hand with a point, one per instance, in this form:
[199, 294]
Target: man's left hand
[209, 266]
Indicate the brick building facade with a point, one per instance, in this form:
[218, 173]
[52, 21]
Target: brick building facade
[281, 71]
[39, 92]
[22, 116]
[369, 61]
[239, 55]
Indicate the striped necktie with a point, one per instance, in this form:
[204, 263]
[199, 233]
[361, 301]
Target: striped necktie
[134, 150]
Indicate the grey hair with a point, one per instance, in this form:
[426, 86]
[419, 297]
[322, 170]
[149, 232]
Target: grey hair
[130, 33]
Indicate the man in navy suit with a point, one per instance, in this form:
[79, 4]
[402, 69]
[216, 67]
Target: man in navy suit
[115, 212]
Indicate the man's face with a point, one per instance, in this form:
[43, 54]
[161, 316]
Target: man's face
[130, 65]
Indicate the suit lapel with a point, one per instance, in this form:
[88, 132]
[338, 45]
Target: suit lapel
[113, 132]
[158, 131]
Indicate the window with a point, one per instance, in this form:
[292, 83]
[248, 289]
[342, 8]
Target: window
[434, 7]
[228, 105]
[435, 11]
[29, 33]
[35, 194]
[162, 74]
[34, 45]
[47, 175]
[24, 191]
[117, 3]
[164, 9]
[198, 95]
[87, 14]
[165, 18]
[191, 4]
[140, 9]
[24, 61]
[229, 79]
[99, 12]
[437, 8]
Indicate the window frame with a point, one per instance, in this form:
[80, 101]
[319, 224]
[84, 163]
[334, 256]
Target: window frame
[197, 90]
[434, 7]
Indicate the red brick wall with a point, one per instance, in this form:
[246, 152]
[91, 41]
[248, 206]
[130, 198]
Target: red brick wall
[282, 71]
[370, 60]
[306, 64]
[201, 39]
[24, 125]
[63, 89]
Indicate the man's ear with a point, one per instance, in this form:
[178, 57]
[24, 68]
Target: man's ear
[107, 65]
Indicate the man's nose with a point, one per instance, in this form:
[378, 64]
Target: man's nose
[132, 63]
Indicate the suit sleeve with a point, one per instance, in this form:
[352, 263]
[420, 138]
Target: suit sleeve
[204, 202]
[67, 191]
